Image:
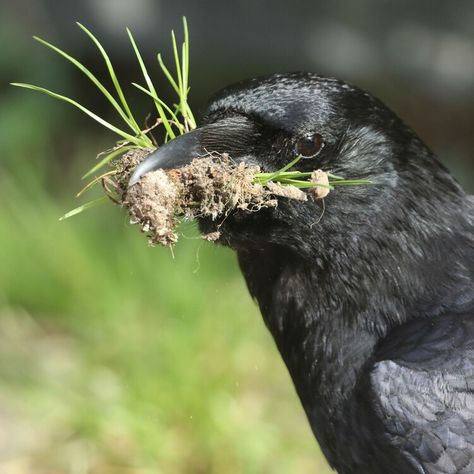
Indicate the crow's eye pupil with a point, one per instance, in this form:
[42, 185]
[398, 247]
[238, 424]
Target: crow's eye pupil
[309, 146]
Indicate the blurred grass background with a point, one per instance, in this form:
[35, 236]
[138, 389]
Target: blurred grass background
[116, 357]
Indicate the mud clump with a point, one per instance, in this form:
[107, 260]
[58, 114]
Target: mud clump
[320, 178]
[289, 192]
[213, 186]
[210, 186]
[152, 203]
[125, 166]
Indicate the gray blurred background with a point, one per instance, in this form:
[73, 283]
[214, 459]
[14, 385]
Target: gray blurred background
[115, 357]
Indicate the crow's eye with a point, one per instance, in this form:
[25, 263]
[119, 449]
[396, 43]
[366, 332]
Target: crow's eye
[310, 145]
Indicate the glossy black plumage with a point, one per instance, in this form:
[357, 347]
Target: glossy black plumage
[369, 297]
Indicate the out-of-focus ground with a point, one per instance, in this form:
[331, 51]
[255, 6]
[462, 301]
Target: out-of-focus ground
[116, 357]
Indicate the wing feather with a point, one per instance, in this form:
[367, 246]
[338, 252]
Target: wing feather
[423, 387]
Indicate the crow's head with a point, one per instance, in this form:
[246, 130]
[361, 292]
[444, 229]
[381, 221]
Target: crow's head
[335, 127]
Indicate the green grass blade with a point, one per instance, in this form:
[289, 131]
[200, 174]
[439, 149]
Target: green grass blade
[177, 63]
[151, 87]
[95, 181]
[350, 182]
[114, 78]
[295, 174]
[186, 72]
[184, 106]
[190, 117]
[175, 119]
[185, 57]
[167, 73]
[334, 176]
[84, 207]
[181, 85]
[267, 177]
[290, 164]
[113, 128]
[108, 157]
[92, 77]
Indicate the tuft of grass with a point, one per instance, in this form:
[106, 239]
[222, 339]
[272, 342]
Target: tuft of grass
[176, 119]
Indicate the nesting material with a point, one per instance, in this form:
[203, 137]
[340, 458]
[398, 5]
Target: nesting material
[153, 203]
[210, 186]
[290, 192]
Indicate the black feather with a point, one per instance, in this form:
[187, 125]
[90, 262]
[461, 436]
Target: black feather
[372, 304]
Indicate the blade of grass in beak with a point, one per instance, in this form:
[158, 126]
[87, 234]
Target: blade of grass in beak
[185, 56]
[109, 157]
[184, 106]
[126, 136]
[188, 114]
[163, 104]
[184, 93]
[177, 64]
[90, 184]
[333, 176]
[350, 182]
[91, 76]
[114, 78]
[84, 207]
[167, 73]
[186, 110]
[266, 177]
[151, 87]
[295, 174]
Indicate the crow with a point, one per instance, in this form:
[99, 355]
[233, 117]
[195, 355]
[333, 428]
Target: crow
[368, 294]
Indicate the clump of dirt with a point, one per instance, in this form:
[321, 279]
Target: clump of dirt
[320, 178]
[126, 165]
[210, 186]
[214, 185]
[153, 203]
[290, 192]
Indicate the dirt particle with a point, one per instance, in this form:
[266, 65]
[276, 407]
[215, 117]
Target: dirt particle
[127, 164]
[212, 236]
[291, 192]
[319, 177]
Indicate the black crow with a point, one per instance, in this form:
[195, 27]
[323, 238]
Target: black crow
[369, 295]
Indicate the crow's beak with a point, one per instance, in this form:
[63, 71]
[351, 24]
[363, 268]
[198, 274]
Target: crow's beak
[174, 154]
[232, 135]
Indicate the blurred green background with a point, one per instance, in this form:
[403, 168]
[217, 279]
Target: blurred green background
[116, 357]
